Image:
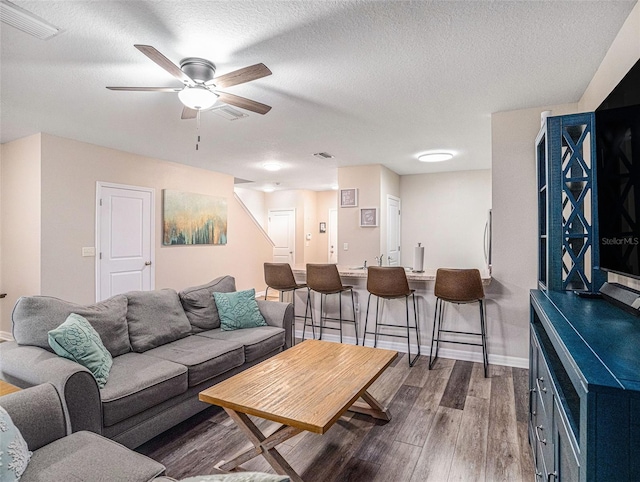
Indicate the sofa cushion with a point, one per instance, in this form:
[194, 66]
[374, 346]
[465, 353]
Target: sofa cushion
[257, 342]
[14, 453]
[238, 310]
[199, 305]
[87, 456]
[204, 358]
[138, 382]
[155, 318]
[76, 340]
[34, 316]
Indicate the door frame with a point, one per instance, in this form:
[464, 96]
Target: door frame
[152, 253]
[330, 229]
[399, 234]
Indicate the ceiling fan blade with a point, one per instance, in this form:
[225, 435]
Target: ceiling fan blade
[189, 113]
[243, 103]
[147, 89]
[241, 76]
[165, 63]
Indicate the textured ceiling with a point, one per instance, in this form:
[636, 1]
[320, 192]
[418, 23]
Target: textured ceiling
[369, 82]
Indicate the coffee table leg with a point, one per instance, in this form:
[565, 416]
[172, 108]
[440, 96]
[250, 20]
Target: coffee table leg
[264, 446]
[373, 408]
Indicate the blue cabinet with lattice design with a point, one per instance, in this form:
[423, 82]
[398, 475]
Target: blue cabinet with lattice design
[567, 209]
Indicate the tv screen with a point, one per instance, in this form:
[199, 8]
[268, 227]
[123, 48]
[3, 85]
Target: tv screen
[618, 176]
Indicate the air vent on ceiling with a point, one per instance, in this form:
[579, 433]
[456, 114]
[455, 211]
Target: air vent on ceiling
[323, 155]
[228, 112]
[238, 180]
[26, 21]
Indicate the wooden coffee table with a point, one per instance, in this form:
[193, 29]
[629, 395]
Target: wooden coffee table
[307, 387]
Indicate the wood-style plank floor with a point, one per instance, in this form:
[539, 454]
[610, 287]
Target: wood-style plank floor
[448, 424]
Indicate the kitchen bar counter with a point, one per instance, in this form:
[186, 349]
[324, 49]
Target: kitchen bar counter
[359, 272]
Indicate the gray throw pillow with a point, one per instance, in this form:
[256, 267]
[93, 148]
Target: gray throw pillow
[199, 305]
[155, 318]
[35, 316]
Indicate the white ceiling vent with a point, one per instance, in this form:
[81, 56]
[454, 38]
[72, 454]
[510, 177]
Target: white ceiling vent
[228, 112]
[26, 21]
[323, 155]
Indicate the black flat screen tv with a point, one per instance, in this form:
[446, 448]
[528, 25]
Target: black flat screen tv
[618, 176]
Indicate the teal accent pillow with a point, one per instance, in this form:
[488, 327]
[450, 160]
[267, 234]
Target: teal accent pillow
[76, 340]
[14, 453]
[238, 310]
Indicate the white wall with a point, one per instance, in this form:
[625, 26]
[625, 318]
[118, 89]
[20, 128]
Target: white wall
[446, 212]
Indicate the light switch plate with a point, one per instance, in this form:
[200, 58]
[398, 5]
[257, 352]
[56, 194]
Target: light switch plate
[88, 251]
[346, 246]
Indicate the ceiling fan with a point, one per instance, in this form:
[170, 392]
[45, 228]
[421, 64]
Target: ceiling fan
[199, 91]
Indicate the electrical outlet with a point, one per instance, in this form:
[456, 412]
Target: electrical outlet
[357, 307]
[345, 246]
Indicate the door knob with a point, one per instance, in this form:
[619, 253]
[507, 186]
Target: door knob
[148, 263]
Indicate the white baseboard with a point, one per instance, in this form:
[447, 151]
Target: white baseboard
[5, 335]
[463, 355]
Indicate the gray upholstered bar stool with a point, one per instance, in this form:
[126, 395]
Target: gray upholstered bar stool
[387, 283]
[325, 279]
[458, 286]
[279, 276]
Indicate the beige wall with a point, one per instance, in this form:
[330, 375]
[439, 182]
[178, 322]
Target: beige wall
[20, 220]
[621, 56]
[515, 224]
[446, 212]
[255, 203]
[66, 203]
[364, 243]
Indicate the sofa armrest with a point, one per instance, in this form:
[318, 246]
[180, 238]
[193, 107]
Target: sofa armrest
[38, 413]
[26, 366]
[280, 315]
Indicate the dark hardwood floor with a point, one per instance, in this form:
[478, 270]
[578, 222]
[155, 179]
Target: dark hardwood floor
[448, 424]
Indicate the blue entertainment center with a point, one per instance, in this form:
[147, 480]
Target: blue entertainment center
[584, 359]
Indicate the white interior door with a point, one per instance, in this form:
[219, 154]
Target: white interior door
[125, 239]
[393, 231]
[333, 236]
[282, 231]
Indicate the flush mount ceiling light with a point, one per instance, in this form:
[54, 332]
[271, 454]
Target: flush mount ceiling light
[268, 189]
[435, 157]
[26, 21]
[272, 166]
[197, 97]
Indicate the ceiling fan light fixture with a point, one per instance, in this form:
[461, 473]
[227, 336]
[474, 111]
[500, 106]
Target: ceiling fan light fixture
[197, 97]
[435, 157]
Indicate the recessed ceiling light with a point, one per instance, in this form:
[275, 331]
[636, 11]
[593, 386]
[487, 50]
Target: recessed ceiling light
[435, 157]
[268, 189]
[335, 187]
[272, 166]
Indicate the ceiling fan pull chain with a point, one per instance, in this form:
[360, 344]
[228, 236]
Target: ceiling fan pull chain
[198, 127]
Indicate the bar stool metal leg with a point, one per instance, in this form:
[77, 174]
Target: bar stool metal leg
[355, 321]
[309, 309]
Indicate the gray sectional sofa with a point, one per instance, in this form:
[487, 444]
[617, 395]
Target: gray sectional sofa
[38, 413]
[166, 348]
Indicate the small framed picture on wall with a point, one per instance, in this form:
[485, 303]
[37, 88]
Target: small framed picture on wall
[348, 198]
[368, 217]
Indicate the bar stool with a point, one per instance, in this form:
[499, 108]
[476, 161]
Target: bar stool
[279, 276]
[325, 279]
[387, 283]
[458, 286]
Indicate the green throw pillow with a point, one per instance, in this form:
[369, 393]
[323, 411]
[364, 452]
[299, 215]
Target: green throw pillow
[76, 340]
[238, 310]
